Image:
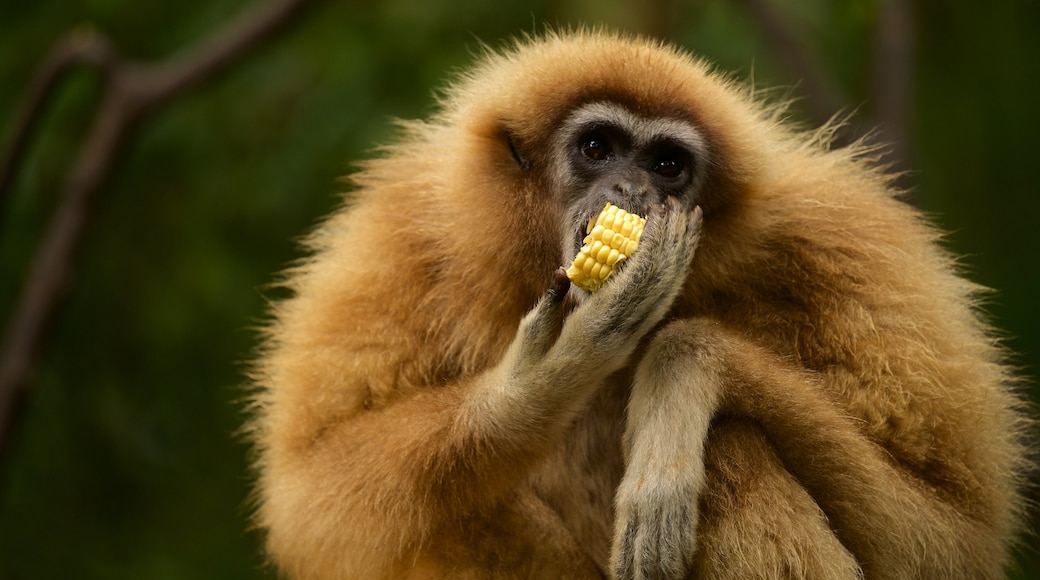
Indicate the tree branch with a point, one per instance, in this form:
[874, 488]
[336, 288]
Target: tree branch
[82, 46]
[131, 90]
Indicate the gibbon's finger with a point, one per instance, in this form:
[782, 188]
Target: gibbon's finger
[654, 213]
[677, 221]
[679, 238]
[672, 203]
[696, 219]
[694, 227]
[691, 238]
[670, 214]
[558, 289]
[670, 217]
[538, 328]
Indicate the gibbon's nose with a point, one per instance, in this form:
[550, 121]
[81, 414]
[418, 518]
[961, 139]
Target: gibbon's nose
[626, 188]
[633, 194]
[632, 190]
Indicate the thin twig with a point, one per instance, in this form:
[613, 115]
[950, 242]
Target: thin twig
[131, 90]
[82, 46]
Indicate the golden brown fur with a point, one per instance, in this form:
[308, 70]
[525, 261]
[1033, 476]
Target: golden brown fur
[822, 396]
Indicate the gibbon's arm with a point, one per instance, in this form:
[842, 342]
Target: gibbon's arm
[370, 491]
[891, 522]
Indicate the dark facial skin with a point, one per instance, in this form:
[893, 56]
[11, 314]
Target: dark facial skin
[610, 164]
[631, 175]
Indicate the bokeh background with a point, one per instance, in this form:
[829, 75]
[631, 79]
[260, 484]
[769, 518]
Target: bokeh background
[126, 462]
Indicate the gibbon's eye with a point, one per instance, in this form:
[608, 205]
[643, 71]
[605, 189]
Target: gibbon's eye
[596, 147]
[669, 165]
[521, 161]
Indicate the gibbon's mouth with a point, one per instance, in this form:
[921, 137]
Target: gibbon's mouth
[579, 238]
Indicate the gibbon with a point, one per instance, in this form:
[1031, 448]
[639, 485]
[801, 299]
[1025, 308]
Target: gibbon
[787, 379]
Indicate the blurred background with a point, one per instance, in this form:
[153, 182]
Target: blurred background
[125, 461]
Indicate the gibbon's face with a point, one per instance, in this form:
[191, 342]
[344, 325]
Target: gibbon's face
[603, 153]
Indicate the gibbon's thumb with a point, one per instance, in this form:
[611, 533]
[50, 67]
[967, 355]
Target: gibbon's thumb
[559, 287]
[539, 328]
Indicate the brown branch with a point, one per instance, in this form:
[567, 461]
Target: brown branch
[131, 90]
[82, 46]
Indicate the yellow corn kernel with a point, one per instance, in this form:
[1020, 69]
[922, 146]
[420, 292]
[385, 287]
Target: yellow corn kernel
[612, 237]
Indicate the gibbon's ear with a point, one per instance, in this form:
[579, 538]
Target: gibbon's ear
[511, 140]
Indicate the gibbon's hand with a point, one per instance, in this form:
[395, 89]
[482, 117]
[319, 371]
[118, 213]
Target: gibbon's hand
[644, 288]
[599, 336]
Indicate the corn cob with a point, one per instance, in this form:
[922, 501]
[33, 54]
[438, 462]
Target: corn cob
[612, 237]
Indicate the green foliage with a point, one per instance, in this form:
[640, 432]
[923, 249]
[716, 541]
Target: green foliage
[127, 463]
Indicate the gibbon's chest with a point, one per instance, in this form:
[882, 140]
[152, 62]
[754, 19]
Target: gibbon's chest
[578, 479]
